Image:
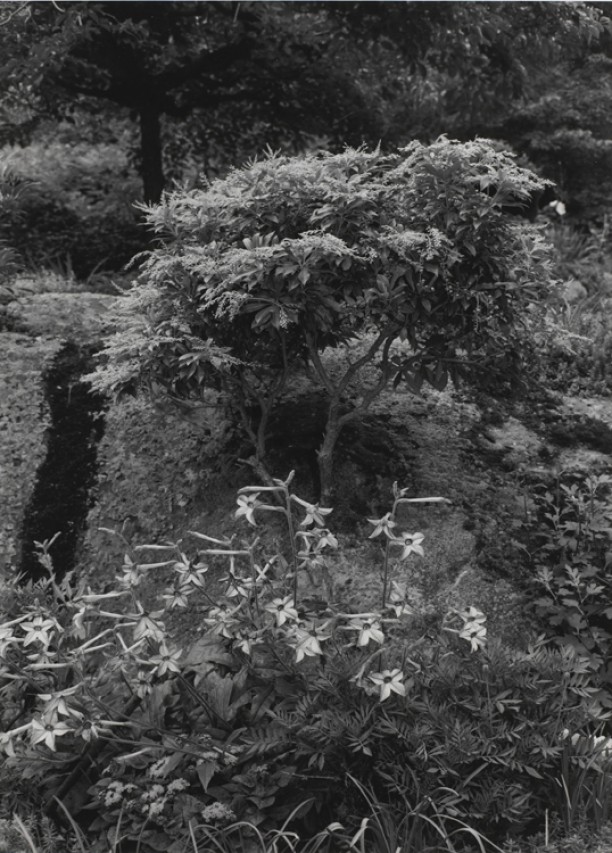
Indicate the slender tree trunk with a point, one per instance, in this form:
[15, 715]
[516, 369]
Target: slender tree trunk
[325, 454]
[151, 154]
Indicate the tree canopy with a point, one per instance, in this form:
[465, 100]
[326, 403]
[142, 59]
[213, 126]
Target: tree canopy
[233, 77]
[286, 66]
[412, 255]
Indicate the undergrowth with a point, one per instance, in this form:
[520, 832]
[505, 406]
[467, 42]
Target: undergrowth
[577, 356]
[348, 730]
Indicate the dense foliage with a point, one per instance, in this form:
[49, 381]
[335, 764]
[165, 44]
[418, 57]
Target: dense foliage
[69, 207]
[210, 83]
[248, 690]
[282, 694]
[414, 255]
[177, 90]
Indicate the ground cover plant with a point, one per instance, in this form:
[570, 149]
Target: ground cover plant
[569, 544]
[414, 254]
[371, 713]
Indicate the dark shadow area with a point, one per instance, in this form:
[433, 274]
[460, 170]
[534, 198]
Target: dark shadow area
[372, 451]
[61, 497]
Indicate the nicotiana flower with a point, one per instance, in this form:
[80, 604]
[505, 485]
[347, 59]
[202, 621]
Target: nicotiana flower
[411, 544]
[282, 609]
[42, 658]
[7, 739]
[166, 660]
[369, 629]
[307, 638]
[246, 639]
[39, 630]
[474, 629]
[389, 681]
[382, 525]
[324, 540]
[190, 573]
[91, 730]
[315, 540]
[56, 704]
[132, 575]
[7, 639]
[177, 596]
[247, 504]
[45, 731]
[79, 631]
[314, 513]
[238, 586]
[144, 684]
[398, 600]
[147, 624]
[222, 620]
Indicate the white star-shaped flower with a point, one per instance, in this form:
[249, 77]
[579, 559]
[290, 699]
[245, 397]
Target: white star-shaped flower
[389, 681]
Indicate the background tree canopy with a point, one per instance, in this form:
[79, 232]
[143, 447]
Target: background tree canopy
[188, 86]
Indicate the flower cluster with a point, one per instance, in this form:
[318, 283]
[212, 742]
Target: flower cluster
[217, 813]
[472, 627]
[258, 613]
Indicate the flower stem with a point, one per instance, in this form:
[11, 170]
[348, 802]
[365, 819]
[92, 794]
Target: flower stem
[293, 545]
[387, 554]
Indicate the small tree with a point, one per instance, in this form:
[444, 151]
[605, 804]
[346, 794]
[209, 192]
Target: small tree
[412, 254]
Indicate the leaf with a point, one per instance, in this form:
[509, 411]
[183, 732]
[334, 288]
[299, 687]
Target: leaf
[218, 692]
[414, 381]
[531, 771]
[190, 806]
[207, 650]
[206, 770]
[265, 315]
[170, 763]
[155, 839]
[440, 378]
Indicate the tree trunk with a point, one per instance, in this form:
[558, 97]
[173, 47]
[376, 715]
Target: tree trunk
[151, 154]
[325, 455]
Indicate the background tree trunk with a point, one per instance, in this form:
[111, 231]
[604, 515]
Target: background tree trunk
[151, 152]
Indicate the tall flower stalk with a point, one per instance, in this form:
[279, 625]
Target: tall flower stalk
[410, 543]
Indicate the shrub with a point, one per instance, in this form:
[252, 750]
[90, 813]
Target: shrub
[569, 544]
[413, 254]
[75, 207]
[577, 349]
[12, 190]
